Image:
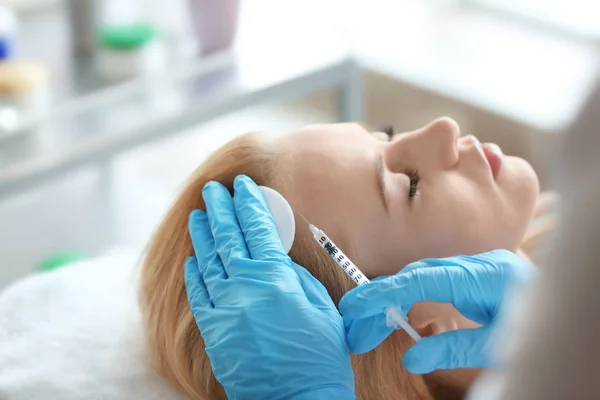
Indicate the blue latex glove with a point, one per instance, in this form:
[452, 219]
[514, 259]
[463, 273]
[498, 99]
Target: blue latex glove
[475, 285]
[270, 328]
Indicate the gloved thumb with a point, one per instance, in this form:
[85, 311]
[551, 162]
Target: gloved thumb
[465, 348]
[366, 333]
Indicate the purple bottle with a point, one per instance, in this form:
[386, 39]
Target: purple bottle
[215, 23]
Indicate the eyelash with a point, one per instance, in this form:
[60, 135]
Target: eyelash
[388, 129]
[414, 178]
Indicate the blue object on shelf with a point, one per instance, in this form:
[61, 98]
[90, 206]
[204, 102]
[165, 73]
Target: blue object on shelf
[6, 47]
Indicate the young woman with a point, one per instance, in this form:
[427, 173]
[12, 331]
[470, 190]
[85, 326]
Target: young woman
[385, 202]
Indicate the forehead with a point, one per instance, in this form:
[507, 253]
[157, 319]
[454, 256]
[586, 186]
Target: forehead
[322, 140]
[332, 171]
[319, 150]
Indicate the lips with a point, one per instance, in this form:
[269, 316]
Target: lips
[494, 156]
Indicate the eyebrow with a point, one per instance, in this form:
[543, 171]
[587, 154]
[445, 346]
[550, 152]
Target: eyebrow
[380, 172]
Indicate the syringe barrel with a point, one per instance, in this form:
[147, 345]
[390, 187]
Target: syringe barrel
[394, 317]
[340, 258]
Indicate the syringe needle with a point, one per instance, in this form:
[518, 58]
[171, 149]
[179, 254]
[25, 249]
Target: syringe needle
[305, 220]
[313, 229]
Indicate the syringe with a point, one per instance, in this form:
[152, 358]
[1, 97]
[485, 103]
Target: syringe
[393, 314]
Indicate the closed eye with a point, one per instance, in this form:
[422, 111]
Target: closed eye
[414, 179]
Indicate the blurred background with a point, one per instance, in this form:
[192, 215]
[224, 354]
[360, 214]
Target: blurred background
[106, 106]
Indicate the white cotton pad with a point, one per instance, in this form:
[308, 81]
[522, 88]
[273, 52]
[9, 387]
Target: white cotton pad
[283, 216]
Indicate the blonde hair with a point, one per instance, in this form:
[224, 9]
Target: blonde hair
[175, 345]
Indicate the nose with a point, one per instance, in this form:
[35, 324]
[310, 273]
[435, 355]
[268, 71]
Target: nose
[435, 145]
[441, 136]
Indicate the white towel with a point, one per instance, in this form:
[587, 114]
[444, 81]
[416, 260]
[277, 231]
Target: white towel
[75, 334]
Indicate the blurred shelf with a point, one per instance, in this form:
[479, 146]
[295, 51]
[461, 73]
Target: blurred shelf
[93, 122]
[97, 127]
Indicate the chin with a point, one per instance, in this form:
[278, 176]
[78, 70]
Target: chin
[522, 186]
[519, 176]
[528, 176]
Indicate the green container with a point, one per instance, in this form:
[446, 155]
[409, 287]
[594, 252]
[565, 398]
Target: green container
[59, 260]
[126, 37]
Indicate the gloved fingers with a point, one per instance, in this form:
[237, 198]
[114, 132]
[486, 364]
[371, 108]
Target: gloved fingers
[366, 334]
[431, 262]
[256, 221]
[493, 258]
[228, 237]
[443, 284]
[210, 265]
[201, 236]
[358, 303]
[315, 292]
[517, 269]
[195, 288]
[465, 348]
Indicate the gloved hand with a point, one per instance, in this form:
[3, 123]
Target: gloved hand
[475, 285]
[270, 328]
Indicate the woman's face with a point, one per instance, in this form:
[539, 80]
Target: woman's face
[426, 193]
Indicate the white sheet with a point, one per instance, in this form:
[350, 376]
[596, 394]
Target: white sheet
[75, 334]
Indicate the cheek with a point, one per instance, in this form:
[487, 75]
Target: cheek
[459, 217]
[454, 215]
[377, 252]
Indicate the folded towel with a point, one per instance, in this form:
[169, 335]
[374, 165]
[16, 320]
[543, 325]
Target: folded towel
[75, 334]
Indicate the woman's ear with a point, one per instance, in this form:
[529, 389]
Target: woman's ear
[429, 319]
[429, 329]
[434, 326]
